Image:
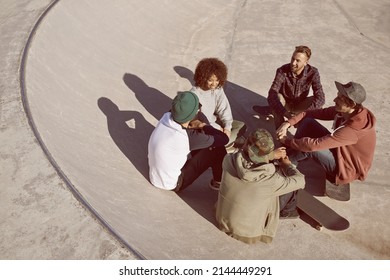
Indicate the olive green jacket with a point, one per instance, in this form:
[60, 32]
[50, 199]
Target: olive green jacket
[248, 199]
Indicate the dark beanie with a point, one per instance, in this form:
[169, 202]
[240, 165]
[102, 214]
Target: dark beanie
[185, 107]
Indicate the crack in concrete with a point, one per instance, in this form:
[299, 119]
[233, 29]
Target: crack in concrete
[354, 24]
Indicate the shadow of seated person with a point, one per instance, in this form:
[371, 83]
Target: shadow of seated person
[130, 132]
[153, 100]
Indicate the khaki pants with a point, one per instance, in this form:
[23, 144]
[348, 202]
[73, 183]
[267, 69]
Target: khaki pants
[238, 129]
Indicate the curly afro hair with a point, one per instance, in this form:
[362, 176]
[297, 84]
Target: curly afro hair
[206, 68]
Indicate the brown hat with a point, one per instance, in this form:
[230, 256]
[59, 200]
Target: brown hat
[353, 91]
[259, 146]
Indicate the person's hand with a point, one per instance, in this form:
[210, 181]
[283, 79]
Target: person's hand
[196, 124]
[227, 132]
[283, 139]
[281, 132]
[289, 115]
[280, 153]
[285, 160]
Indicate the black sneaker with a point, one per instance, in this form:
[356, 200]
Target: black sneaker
[289, 215]
[340, 192]
[264, 111]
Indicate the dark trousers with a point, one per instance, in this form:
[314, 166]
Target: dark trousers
[288, 202]
[199, 162]
[309, 127]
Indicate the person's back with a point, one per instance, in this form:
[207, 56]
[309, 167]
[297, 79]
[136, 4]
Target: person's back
[248, 202]
[171, 165]
[167, 157]
[362, 152]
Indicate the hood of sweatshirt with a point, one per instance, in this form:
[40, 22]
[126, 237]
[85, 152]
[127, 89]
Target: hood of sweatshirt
[362, 120]
[167, 121]
[247, 171]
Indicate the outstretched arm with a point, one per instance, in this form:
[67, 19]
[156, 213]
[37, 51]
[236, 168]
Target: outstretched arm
[203, 136]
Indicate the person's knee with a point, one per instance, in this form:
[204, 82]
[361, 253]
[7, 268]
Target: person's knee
[305, 124]
[219, 152]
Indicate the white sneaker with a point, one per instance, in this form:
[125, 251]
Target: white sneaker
[231, 149]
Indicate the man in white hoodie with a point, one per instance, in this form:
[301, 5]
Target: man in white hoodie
[181, 148]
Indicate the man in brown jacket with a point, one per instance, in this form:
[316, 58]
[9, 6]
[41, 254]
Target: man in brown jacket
[346, 154]
[255, 192]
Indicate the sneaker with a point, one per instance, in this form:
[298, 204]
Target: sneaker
[289, 215]
[214, 185]
[264, 111]
[340, 192]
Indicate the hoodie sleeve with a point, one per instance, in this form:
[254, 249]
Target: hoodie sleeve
[223, 110]
[326, 114]
[342, 136]
[207, 137]
[292, 181]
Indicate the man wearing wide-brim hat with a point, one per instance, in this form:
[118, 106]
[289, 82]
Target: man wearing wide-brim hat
[346, 154]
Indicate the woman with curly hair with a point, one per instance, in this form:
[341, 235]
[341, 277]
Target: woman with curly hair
[210, 76]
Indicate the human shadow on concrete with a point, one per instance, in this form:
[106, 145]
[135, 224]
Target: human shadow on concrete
[201, 198]
[157, 103]
[130, 131]
[153, 100]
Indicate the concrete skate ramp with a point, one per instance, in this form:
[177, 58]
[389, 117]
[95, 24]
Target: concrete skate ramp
[99, 74]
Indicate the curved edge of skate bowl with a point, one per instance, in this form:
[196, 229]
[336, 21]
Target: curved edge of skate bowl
[99, 75]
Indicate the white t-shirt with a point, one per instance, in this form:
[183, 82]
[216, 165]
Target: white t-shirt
[166, 157]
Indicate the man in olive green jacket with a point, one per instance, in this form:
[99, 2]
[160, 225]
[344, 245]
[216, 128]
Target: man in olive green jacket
[248, 206]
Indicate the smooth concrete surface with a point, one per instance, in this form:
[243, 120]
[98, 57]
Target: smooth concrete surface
[99, 74]
[39, 216]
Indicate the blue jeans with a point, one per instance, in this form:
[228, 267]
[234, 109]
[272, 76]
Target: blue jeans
[309, 127]
[288, 202]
